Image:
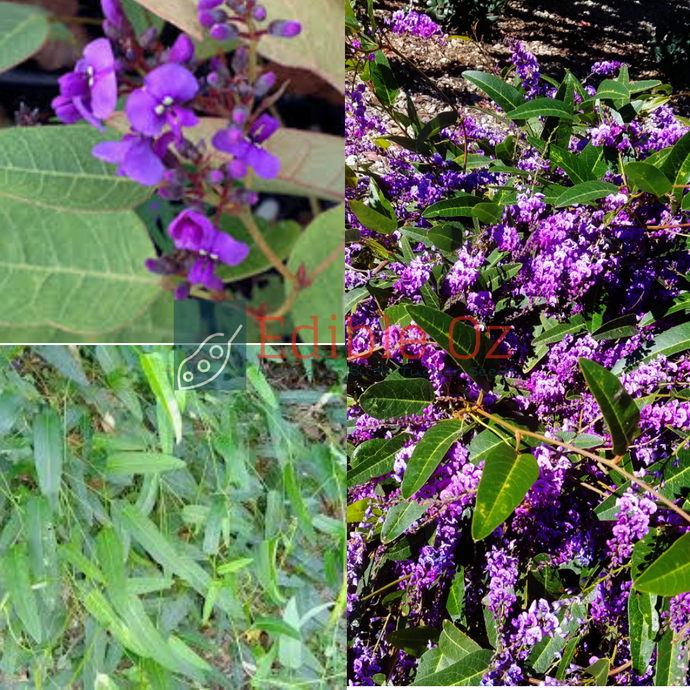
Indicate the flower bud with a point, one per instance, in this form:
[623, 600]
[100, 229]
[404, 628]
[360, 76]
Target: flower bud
[260, 13]
[284, 29]
[182, 50]
[240, 114]
[208, 18]
[264, 84]
[224, 32]
[182, 291]
[215, 177]
[148, 38]
[113, 12]
[240, 61]
[209, 4]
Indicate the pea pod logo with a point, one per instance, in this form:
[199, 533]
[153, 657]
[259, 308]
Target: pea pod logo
[205, 365]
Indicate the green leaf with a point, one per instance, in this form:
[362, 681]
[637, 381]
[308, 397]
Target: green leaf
[275, 626]
[621, 327]
[542, 107]
[373, 220]
[156, 371]
[467, 671]
[600, 670]
[641, 636]
[431, 661]
[413, 638]
[23, 31]
[619, 410]
[81, 272]
[676, 480]
[434, 126]
[280, 236]
[142, 463]
[397, 398]
[455, 644]
[668, 670]
[234, 566]
[505, 481]
[557, 333]
[610, 88]
[489, 213]
[567, 658]
[181, 13]
[676, 339]
[385, 84]
[492, 278]
[356, 511]
[53, 168]
[677, 157]
[461, 205]
[428, 453]
[320, 306]
[669, 574]
[49, 452]
[299, 506]
[482, 445]
[504, 95]
[64, 360]
[456, 595]
[664, 309]
[289, 648]
[446, 237]
[14, 570]
[462, 342]
[544, 652]
[374, 458]
[648, 178]
[585, 192]
[399, 519]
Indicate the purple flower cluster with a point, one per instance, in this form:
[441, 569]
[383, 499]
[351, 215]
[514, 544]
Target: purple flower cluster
[632, 524]
[162, 108]
[414, 24]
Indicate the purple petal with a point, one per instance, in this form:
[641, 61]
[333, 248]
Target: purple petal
[172, 81]
[104, 96]
[74, 84]
[265, 164]
[192, 230]
[99, 55]
[196, 275]
[182, 50]
[87, 114]
[65, 110]
[141, 110]
[142, 165]
[229, 250]
[111, 151]
[264, 128]
[112, 9]
[229, 141]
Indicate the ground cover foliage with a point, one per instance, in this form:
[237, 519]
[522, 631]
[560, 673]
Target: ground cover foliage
[157, 539]
[518, 407]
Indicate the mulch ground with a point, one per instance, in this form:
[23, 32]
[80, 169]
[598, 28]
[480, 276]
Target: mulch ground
[570, 34]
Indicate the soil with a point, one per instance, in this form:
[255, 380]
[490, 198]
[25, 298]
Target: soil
[562, 34]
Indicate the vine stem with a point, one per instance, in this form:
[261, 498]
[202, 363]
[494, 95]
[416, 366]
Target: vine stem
[597, 458]
[385, 587]
[260, 241]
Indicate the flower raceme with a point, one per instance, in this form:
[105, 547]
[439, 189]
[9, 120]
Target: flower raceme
[163, 106]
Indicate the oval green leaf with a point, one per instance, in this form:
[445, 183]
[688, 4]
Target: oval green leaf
[648, 178]
[619, 410]
[374, 458]
[396, 398]
[504, 95]
[542, 107]
[468, 671]
[428, 453]
[506, 479]
[372, 219]
[460, 205]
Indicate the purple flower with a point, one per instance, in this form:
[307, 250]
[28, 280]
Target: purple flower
[247, 150]
[90, 92]
[182, 50]
[284, 29]
[112, 9]
[194, 232]
[159, 103]
[140, 157]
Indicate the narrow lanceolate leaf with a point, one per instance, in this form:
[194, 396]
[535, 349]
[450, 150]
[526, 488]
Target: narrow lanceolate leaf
[455, 644]
[648, 178]
[586, 192]
[482, 445]
[372, 219]
[374, 458]
[676, 479]
[619, 410]
[557, 333]
[46, 254]
[23, 31]
[609, 88]
[399, 519]
[428, 453]
[456, 595]
[384, 81]
[600, 671]
[48, 452]
[670, 342]
[506, 479]
[542, 107]
[142, 463]
[461, 205]
[641, 635]
[397, 398]
[53, 167]
[14, 571]
[156, 372]
[670, 573]
[671, 661]
[465, 344]
[467, 671]
[504, 95]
